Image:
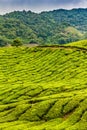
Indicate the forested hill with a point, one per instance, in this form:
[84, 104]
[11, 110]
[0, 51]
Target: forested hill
[53, 27]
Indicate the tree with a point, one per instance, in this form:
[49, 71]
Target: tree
[17, 42]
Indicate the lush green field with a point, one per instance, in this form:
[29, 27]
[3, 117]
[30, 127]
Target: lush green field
[43, 88]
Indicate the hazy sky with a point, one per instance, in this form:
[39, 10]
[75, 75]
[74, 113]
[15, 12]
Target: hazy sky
[40, 5]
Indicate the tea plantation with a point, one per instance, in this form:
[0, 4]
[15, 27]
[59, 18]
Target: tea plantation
[43, 88]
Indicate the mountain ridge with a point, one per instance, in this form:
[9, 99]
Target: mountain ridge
[46, 27]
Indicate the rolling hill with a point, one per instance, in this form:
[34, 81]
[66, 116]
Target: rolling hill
[80, 44]
[53, 27]
[44, 88]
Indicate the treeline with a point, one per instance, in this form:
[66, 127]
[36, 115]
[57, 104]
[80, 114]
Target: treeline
[53, 27]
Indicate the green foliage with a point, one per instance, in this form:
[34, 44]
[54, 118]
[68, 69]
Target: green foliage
[53, 27]
[80, 44]
[44, 88]
[17, 42]
[4, 41]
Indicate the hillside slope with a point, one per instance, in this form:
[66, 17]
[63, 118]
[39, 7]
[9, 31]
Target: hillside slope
[81, 44]
[53, 27]
[43, 88]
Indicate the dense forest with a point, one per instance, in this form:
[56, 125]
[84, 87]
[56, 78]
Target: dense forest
[53, 27]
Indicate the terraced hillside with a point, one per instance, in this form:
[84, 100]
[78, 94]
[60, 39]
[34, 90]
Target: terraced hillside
[43, 88]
